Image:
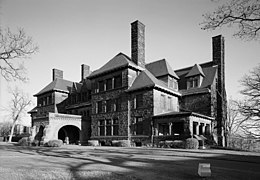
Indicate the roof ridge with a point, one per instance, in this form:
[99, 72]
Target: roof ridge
[195, 70]
[186, 68]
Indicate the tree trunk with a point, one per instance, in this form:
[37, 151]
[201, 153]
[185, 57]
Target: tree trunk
[12, 130]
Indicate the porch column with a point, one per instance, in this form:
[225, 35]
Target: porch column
[113, 83]
[170, 128]
[203, 128]
[156, 129]
[191, 127]
[33, 132]
[198, 128]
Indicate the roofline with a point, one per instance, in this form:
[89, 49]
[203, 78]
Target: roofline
[155, 86]
[167, 90]
[184, 114]
[193, 93]
[186, 68]
[115, 69]
[46, 92]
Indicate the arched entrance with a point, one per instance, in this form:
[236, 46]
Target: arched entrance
[69, 132]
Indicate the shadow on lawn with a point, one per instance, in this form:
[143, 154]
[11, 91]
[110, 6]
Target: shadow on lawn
[107, 163]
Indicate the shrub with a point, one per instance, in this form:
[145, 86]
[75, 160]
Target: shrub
[121, 143]
[178, 144]
[23, 142]
[54, 143]
[192, 143]
[35, 142]
[93, 143]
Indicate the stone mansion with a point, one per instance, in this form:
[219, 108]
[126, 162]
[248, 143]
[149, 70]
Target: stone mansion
[129, 99]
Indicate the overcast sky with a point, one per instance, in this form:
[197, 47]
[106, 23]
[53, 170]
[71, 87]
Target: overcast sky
[74, 32]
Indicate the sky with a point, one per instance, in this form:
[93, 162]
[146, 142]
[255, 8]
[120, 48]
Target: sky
[70, 33]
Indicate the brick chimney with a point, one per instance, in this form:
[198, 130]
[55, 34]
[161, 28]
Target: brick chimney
[56, 73]
[85, 71]
[138, 43]
[218, 56]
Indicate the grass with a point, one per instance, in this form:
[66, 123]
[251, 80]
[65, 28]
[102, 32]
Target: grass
[105, 163]
[58, 174]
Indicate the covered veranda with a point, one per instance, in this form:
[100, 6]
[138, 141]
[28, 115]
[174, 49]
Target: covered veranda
[181, 125]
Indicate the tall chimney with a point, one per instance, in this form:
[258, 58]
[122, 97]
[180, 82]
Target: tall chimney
[85, 71]
[56, 73]
[218, 54]
[137, 43]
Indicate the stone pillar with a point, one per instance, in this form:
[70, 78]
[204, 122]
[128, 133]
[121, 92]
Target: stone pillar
[191, 128]
[203, 128]
[33, 132]
[170, 128]
[113, 83]
[198, 129]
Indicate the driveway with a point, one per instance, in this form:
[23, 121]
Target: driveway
[85, 162]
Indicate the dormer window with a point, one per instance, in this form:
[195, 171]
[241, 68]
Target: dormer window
[195, 77]
[193, 82]
[172, 83]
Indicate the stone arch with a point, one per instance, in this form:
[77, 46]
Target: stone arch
[69, 134]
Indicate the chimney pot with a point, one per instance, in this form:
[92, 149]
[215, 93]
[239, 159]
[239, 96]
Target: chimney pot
[85, 71]
[56, 73]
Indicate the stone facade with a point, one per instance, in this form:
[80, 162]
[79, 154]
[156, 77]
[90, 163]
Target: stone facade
[127, 99]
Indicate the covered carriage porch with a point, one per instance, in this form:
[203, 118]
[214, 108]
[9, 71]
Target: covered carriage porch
[181, 125]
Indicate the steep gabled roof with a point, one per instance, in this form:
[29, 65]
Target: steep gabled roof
[57, 85]
[120, 60]
[76, 88]
[146, 79]
[161, 68]
[209, 70]
[195, 70]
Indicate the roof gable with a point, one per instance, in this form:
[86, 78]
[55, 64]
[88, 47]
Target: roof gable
[195, 70]
[209, 70]
[146, 79]
[161, 68]
[58, 85]
[120, 60]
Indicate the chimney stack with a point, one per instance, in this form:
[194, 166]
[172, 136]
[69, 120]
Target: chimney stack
[138, 43]
[218, 43]
[218, 54]
[85, 71]
[56, 73]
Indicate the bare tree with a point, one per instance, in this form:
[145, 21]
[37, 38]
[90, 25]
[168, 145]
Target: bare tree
[5, 128]
[13, 47]
[234, 118]
[19, 103]
[242, 14]
[250, 106]
[231, 125]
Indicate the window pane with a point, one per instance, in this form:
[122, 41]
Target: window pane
[108, 127]
[108, 105]
[115, 127]
[139, 100]
[139, 126]
[118, 81]
[101, 86]
[99, 106]
[101, 127]
[109, 84]
[163, 102]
